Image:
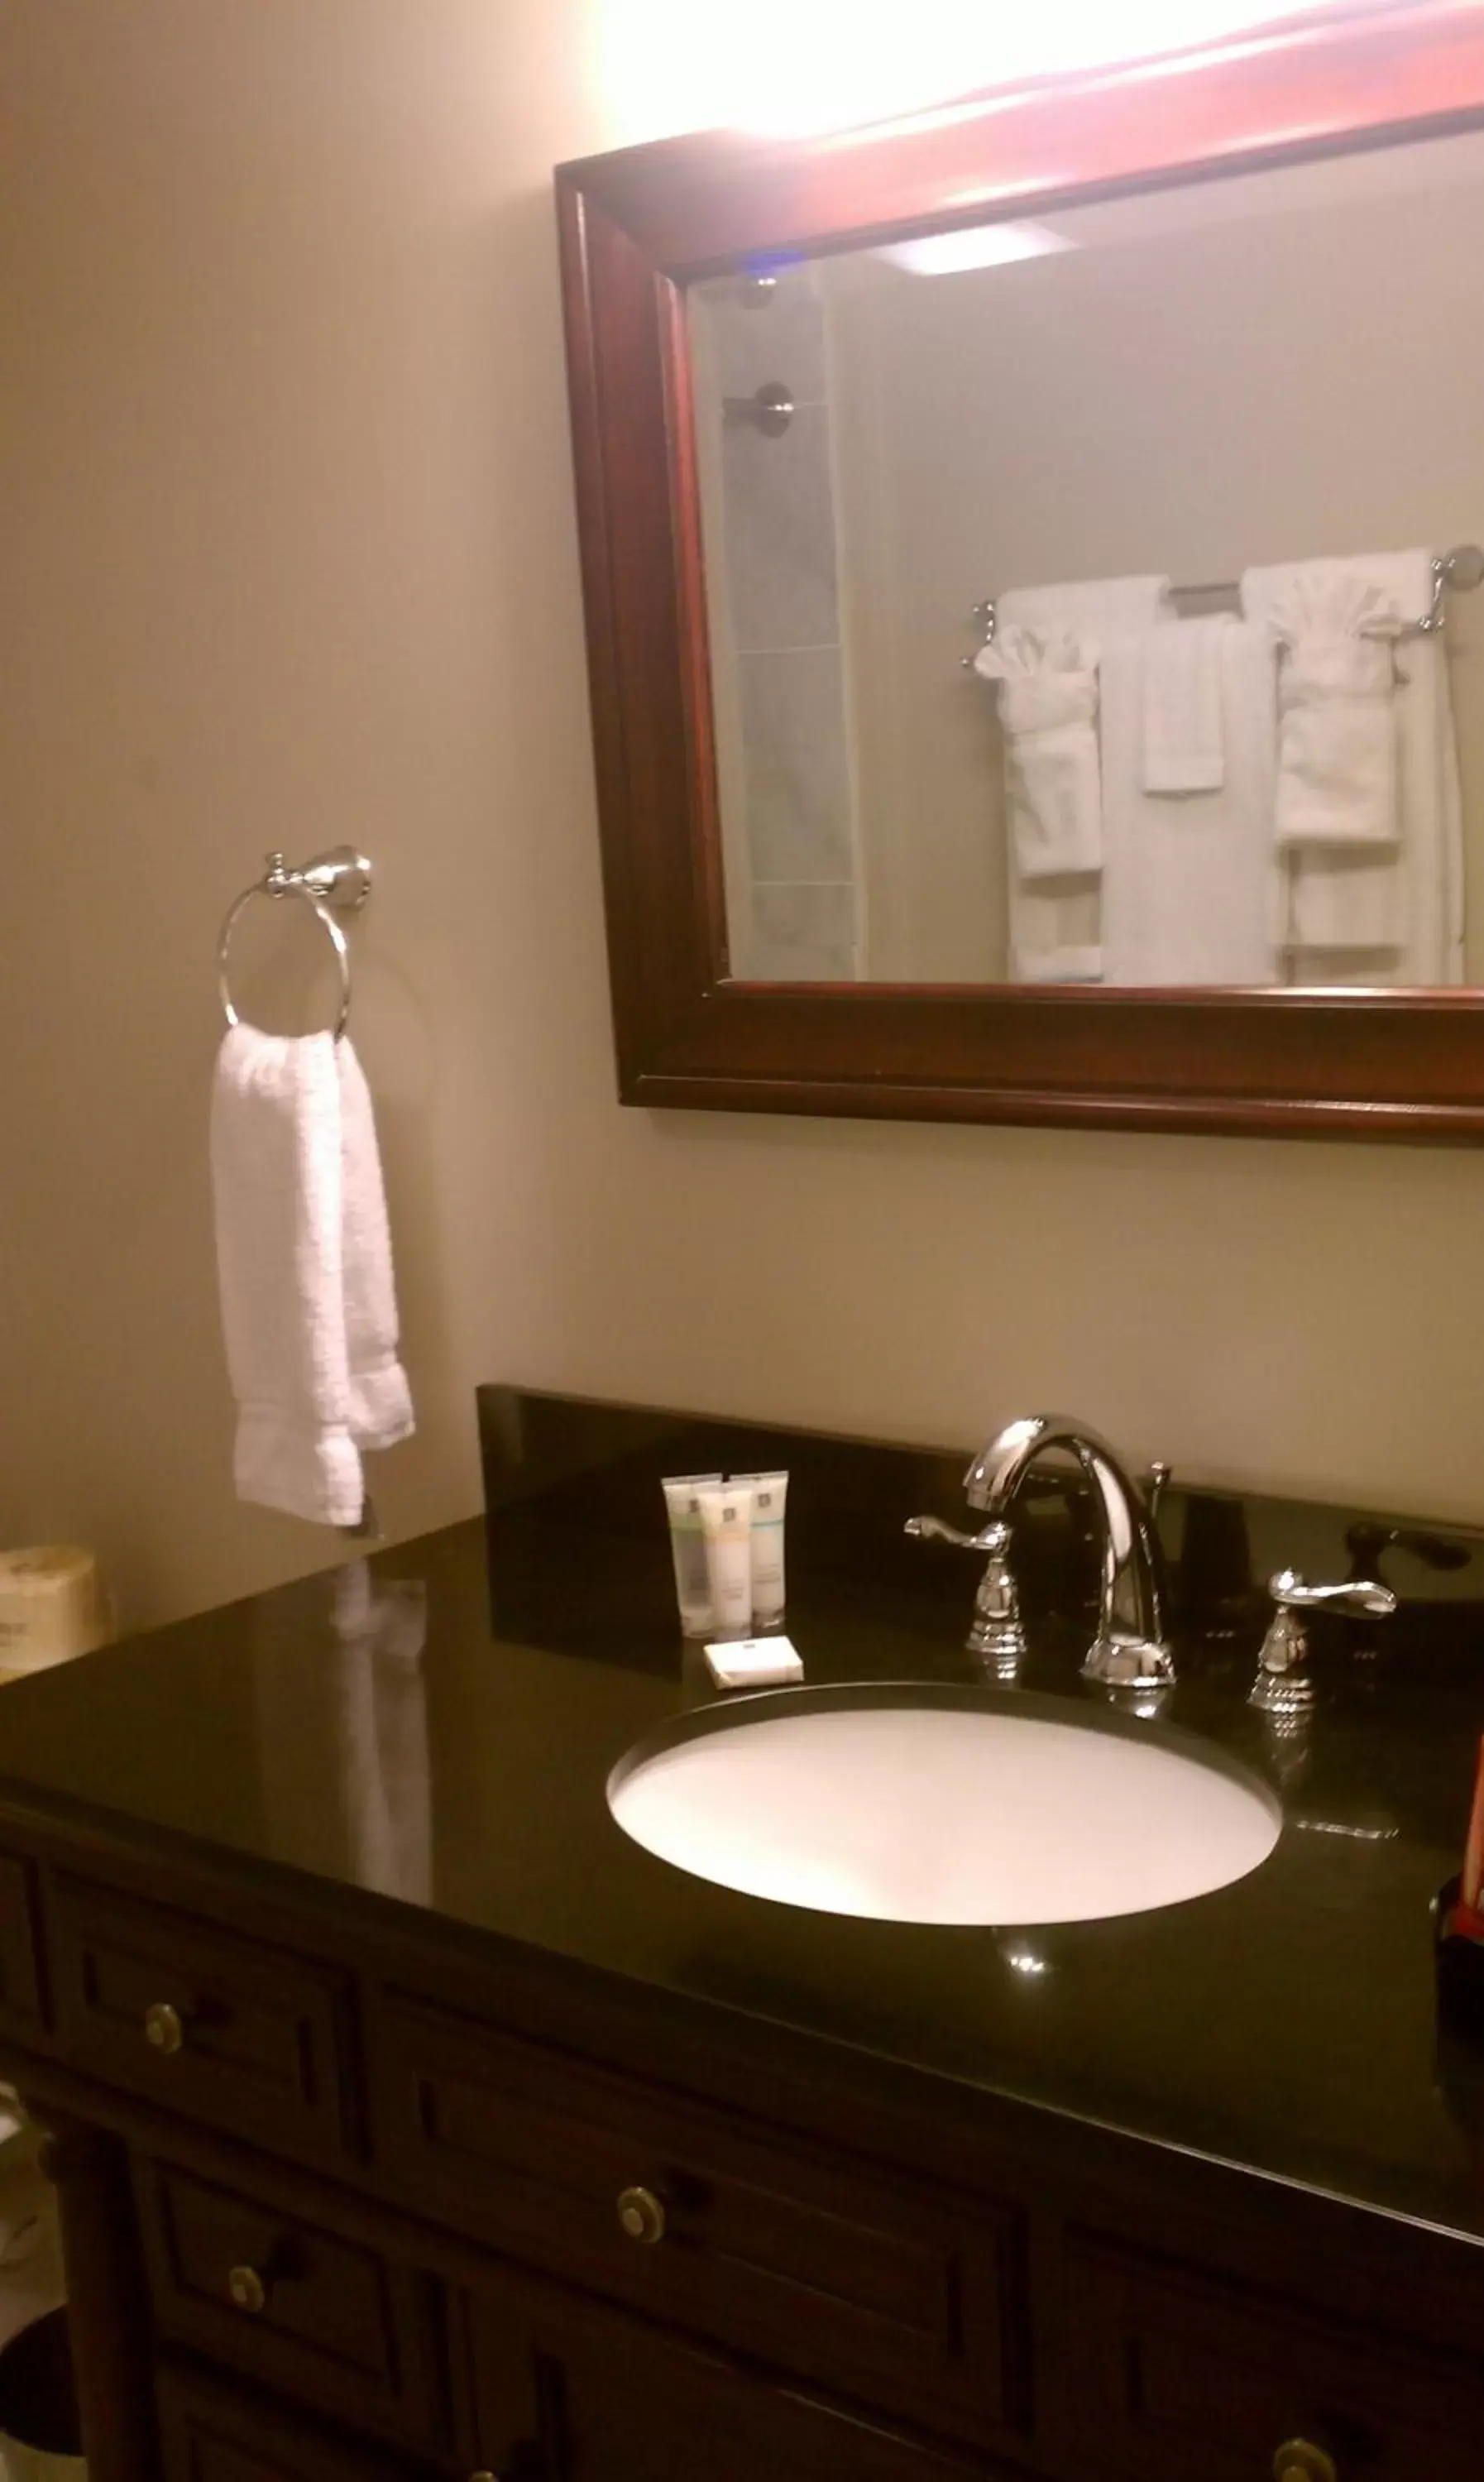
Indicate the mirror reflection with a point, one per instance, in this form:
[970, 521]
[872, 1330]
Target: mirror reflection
[1091, 599]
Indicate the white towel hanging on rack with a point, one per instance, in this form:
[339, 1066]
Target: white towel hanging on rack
[1376, 913]
[303, 1256]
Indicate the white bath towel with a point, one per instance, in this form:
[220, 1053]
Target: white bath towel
[1376, 912]
[304, 1258]
[1192, 889]
[1184, 744]
[1047, 684]
[1055, 924]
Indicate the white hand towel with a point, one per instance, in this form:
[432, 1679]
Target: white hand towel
[1056, 964]
[1048, 713]
[1377, 914]
[1193, 891]
[304, 1258]
[1056, 929]
[1337, 704]
[1184, 745]
[1349, 914]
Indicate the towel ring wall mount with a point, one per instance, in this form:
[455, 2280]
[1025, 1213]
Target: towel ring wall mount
[330, 883]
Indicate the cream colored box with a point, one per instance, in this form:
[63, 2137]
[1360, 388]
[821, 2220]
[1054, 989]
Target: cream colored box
[52, 1606]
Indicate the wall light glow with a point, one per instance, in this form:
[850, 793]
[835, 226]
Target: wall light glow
[788, 68]
[981, 245]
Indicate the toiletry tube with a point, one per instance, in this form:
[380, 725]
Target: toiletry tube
[726, 1516]
[688, 1547]
[770, 1493]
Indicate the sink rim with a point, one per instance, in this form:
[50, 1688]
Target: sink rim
[735, 1710]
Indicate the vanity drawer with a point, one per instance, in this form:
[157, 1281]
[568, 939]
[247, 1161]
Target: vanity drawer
[247, 2038]
[619, 2399]
[291, 2302]
[818, 2262]
[20, 1978]
[1177, 2373]
[210, 2434]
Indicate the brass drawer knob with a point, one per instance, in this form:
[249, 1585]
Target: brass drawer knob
[247, 2291]
[1300, 2460]
[164, 2031]
[642, 2216]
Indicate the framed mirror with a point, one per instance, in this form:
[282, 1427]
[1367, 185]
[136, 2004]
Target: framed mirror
[1031, 564]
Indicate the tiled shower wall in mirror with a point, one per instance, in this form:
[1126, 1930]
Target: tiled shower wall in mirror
[781, 694]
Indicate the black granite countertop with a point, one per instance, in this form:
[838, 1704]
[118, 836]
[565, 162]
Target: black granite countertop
[372, 1730]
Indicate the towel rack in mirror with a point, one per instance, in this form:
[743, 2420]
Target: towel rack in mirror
[1459, 571]
[330, 883]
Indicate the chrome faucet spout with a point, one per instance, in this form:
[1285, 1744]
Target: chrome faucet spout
[1131, 1649]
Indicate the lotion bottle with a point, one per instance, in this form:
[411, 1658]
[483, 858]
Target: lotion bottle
[688, 1548]
[726, 1516]
[770, 1495]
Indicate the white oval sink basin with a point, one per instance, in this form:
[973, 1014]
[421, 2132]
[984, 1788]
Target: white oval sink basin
[922, 1804]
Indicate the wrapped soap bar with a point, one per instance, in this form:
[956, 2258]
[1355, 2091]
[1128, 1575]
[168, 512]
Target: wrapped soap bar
[754, 1663]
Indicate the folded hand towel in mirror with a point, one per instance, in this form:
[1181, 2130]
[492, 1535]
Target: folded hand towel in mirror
[1184, 741]
[1410, 891]
[1048, 713]
[1336, 746]
[1054, 920]
[1337, 731]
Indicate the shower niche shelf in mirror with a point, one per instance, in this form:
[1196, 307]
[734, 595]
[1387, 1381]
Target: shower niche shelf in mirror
[1172, 367]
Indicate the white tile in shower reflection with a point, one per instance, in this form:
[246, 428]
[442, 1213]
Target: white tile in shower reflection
[780, 521]
[795, 765]
[778, 334]
[803, 935]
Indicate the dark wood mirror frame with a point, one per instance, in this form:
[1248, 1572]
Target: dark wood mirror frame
[637, 226]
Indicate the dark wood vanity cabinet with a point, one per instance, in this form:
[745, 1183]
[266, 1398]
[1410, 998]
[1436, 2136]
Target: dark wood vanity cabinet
[846, 2276]
[1181, 2374]
[346, 2215]
[211, 2433]
[627, 2407]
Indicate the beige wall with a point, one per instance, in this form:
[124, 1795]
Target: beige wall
[289, 556]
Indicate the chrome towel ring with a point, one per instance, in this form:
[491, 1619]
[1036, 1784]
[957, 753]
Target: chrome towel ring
[337, 881]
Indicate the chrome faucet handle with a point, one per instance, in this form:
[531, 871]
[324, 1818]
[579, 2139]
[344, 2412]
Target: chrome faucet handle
[932, 1529]
[995, 1632]
[1283, 1683]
